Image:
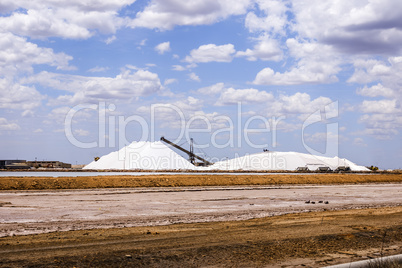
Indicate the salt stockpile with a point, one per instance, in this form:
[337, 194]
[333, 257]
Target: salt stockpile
[142, 155]
[284, 161]
[158, 156]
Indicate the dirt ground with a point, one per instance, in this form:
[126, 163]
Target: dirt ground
[294, 240]
[40, 211]
[313, 239]
[127, 181]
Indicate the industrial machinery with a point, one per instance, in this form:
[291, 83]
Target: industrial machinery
[192, 156]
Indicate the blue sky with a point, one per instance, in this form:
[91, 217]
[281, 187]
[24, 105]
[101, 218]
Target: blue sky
[84, 78]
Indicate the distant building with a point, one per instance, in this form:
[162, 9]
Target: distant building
[14, 164]
[48, 164]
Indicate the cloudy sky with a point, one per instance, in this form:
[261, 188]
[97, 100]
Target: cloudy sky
[81, 78]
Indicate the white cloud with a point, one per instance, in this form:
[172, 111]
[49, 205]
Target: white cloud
[27, 113]
[194, 77]
[359, 142]
[166, 14]
[274, 20]
[172, 113]
[98, 69]
[58, 115]
[355, 27]
[367, 71]
[383, 118]
[7, 126]
[324, 40]
[381, 106]
[126, 86]
[375, 91]
[266, 49]
[320, 137]
[81, 132]
[381, 126]
[42, 24]
[16, 96]
[302, 103]
[163, 47]
[317, 64]
[18, 55]
[212, 53]
[296, 76]
[381, 133]
[387, 73]
[186, 106]
[170, 81]
[191, 65]
[178, 68]
[72, 19]
[212, 90]
[299, 104]
[284, 126]
[110, 40]
[232, 96]
[38, 130]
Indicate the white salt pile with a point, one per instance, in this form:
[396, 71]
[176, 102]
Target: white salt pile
[158, 156]
[142, 155]
[284, 161]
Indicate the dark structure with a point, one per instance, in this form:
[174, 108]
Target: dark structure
[342, 168]
[14, 164]
[324, 169]
[190, 153]
[304, 169]
[48, 164]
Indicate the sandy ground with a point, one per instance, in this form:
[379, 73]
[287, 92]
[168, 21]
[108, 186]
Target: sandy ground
[314, 239]
[249, 223]
[28, 212]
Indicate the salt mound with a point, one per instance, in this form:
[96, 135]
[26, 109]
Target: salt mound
[158, 156]
[142, 155]
[284, 161]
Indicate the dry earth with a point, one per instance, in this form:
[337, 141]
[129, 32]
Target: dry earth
[126, 181]
[312, 239]
[293, 240]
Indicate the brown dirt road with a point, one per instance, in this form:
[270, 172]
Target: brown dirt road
[293, 240]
